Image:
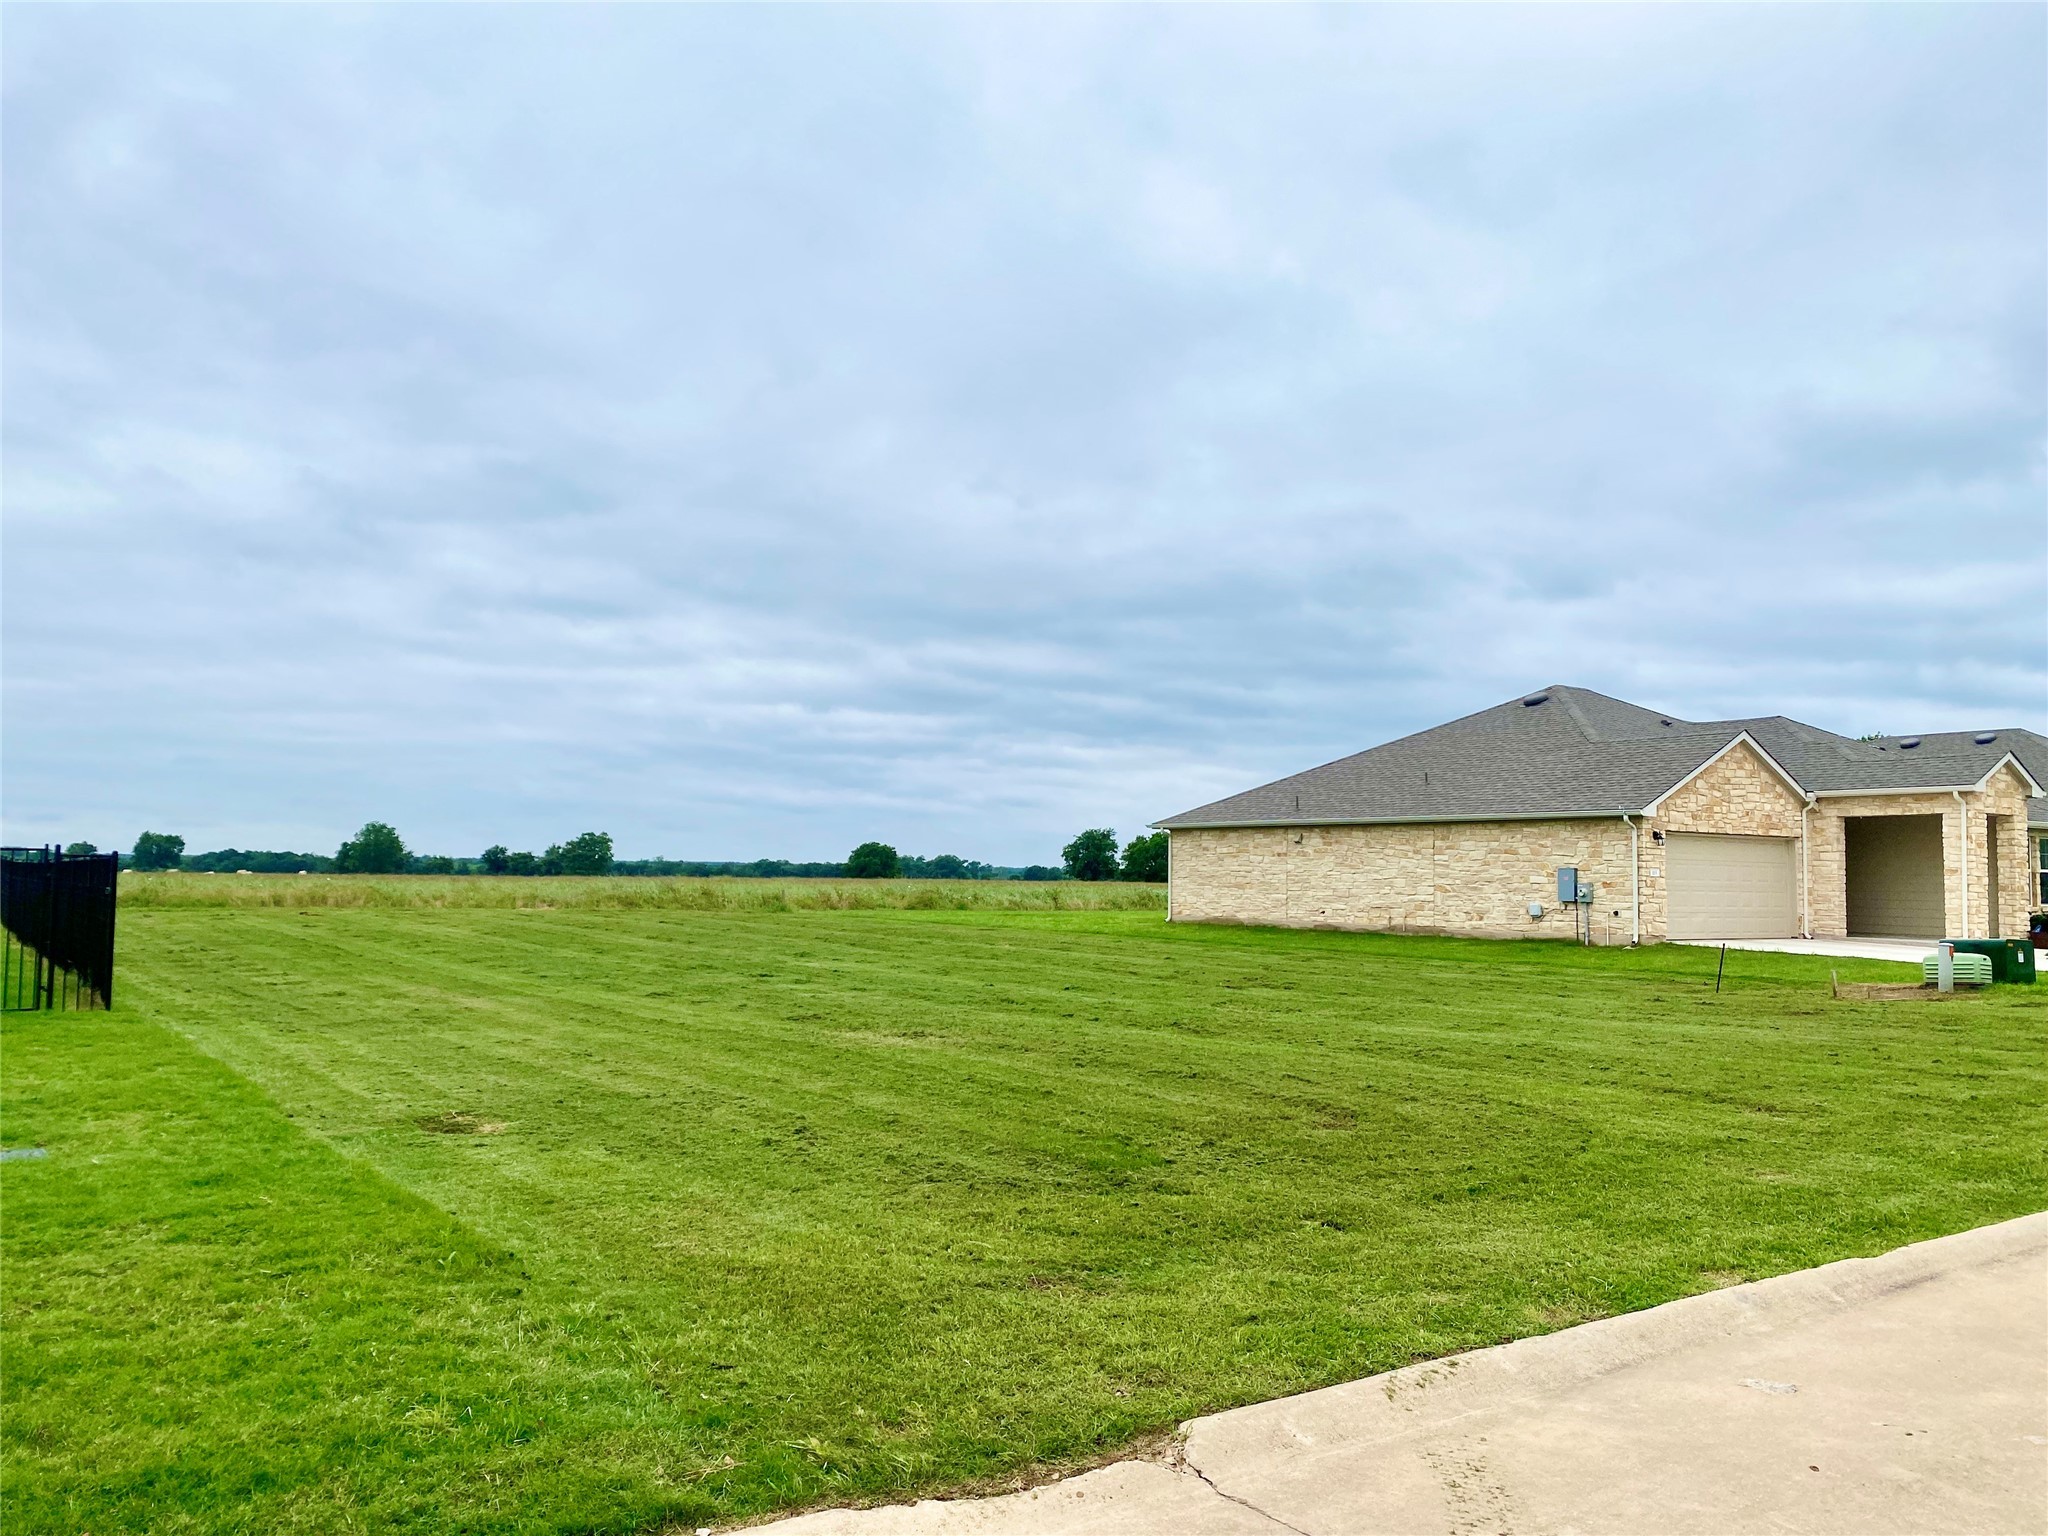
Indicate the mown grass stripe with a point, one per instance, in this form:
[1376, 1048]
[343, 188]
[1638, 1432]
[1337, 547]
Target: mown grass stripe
[864, 1203]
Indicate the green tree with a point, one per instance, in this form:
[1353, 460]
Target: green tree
[1092, 855]
[376, 850]
[947, 866]
[521, 864]
[80, 848]
[159, 850]
[588, 854]
[433, 864]
[873, 861]
[1145, 858]
[496, 860]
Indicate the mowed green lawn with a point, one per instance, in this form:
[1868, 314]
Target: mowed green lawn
[727, 1211]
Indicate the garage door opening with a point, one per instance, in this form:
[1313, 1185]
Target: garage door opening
[1724, 887]
[1893, 867]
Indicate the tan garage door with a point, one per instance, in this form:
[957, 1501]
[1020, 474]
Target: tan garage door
[1731, 887]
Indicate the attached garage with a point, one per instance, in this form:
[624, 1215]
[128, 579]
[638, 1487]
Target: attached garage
[1895, 877]
[1721, 886]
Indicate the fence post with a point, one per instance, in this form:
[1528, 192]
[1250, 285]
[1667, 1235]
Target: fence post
[50, 983]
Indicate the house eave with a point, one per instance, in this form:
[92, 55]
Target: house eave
[1612, 814]
[1939, 789]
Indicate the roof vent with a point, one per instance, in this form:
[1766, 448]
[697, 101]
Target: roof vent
[1985, 738]
[1663, 722]
[1534, 699]
[1910, 741]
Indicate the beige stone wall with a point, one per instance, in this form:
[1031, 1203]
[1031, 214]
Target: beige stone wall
[1444, 877]
[1229, 875]
[2004, 796]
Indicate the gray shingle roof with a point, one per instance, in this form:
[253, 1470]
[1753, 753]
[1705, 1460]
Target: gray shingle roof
[1569, 751]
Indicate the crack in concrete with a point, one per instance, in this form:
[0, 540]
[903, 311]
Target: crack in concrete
[1180, 1463]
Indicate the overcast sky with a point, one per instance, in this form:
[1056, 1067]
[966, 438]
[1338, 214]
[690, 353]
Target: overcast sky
[750, 431]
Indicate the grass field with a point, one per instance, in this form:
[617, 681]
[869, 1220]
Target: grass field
[573, 1219]
[624, 893]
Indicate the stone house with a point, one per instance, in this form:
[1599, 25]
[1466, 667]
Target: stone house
[1682, 829]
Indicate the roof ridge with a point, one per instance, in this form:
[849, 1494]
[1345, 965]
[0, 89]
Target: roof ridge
[1569, 697]
[1443, 725]
[1590, 750]
[1982, 730]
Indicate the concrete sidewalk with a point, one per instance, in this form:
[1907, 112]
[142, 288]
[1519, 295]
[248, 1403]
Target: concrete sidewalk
[1906, 1393]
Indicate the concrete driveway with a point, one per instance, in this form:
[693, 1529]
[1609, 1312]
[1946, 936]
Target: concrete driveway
[1905, 951]
[1901, 1394]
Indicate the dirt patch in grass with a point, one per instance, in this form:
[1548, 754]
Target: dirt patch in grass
[1883, 992]
[1554, 1315]
[457, 1123]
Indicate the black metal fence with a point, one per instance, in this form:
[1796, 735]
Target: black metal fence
[58, 912]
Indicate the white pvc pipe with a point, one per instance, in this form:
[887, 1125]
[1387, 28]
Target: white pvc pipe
[1635, 879]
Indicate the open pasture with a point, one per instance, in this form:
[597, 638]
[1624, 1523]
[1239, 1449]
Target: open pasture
[613, 893]
[588, 1218]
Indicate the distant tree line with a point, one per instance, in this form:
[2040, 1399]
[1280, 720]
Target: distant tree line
[587, 854]
[377, 849]
[259, 861]
[880, 861]
[945, 866]
[1092, 856]
[755, 869]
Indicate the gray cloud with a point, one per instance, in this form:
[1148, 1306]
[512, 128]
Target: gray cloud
[753, 431]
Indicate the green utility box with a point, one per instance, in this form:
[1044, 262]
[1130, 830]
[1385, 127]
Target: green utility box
[2011, 959]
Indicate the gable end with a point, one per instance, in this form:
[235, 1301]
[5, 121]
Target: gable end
[1742, 758]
